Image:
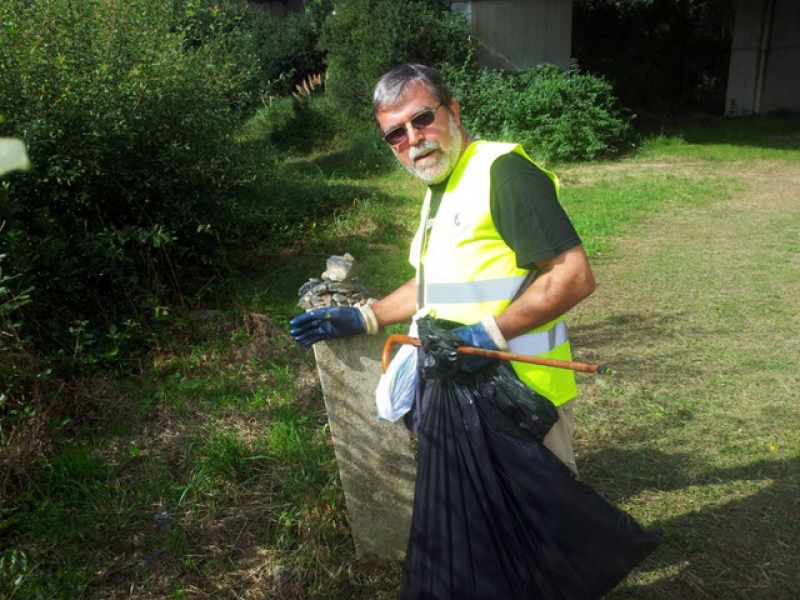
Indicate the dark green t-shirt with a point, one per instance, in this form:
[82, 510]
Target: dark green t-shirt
[525, 210]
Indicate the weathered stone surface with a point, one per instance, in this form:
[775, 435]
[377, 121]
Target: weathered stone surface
[375, 458]
[308, 286]
[342, 287]
[339, 268]
[360, 286]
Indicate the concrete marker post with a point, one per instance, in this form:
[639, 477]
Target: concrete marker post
[376, 461]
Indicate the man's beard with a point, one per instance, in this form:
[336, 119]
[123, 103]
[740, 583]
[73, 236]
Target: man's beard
[439, 169]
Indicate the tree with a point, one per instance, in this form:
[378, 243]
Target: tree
[365, 38]
[661, 55]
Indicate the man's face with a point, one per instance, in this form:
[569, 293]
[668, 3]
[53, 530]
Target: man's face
[432, 152]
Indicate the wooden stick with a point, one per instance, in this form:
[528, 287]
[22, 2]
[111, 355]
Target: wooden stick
[398, 338]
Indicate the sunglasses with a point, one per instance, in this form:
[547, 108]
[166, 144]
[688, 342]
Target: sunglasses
[419, 122]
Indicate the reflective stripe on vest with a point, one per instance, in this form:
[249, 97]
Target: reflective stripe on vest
[468, 292]
[540, 342]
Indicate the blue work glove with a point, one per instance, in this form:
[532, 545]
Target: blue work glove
[477, 336]
[327, 324]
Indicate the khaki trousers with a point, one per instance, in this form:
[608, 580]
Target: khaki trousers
[559, 439]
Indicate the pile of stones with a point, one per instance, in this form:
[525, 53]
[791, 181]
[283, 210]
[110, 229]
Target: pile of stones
[336, 287]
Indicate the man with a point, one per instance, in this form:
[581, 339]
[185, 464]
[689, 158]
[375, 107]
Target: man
[494, 249]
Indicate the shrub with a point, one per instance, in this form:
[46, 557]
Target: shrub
[365, 38]
[287, 50]
[129, 120]
[555, 116]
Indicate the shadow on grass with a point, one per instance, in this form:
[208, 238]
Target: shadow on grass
[776, 132]
[610, 338]
[349, 163]
[292, 234]
[733, 529]
[364, 155]
[743, 548]
[289, 206]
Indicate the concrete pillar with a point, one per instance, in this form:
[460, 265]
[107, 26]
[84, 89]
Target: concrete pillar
[376, 461]
[519, 34]
[763, 74]
[748, 56]
[781, 88]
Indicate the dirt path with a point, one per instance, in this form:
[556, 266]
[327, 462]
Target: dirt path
[699, 313]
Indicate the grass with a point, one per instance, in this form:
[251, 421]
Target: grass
[696, 430]
[721, 139]
[605, 204]
[214, 471]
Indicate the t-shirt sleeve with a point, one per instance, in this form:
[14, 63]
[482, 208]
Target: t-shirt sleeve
[527, 213]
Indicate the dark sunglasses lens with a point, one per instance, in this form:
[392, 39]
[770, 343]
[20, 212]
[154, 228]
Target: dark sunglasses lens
[421, 121]
[424, 119]
[396, 135]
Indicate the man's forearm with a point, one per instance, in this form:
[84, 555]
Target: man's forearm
[397, 307]
[564, 281]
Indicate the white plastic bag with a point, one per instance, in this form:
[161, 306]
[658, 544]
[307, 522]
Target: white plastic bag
[396, 388]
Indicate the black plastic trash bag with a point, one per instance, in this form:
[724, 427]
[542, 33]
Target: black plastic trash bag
[496, 514]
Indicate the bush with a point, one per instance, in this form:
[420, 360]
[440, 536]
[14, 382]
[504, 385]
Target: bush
[129, 120]
[365, 38]
[555, 116]
[287, 50]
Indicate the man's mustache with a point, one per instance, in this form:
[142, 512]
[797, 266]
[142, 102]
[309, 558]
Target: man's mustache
[423, 148]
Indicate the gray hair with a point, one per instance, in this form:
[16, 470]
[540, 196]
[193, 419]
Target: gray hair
[392, 85]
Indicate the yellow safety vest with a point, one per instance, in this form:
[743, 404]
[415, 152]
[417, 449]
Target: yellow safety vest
[470, 272]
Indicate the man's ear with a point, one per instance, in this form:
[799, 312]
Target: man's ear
[455, 110]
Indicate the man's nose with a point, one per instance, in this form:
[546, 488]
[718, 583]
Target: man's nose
[414, 135]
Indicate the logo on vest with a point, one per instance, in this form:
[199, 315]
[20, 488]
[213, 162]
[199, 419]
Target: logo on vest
[459, 223]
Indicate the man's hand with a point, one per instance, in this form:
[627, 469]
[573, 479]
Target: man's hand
[486, 335]
[327, 324]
